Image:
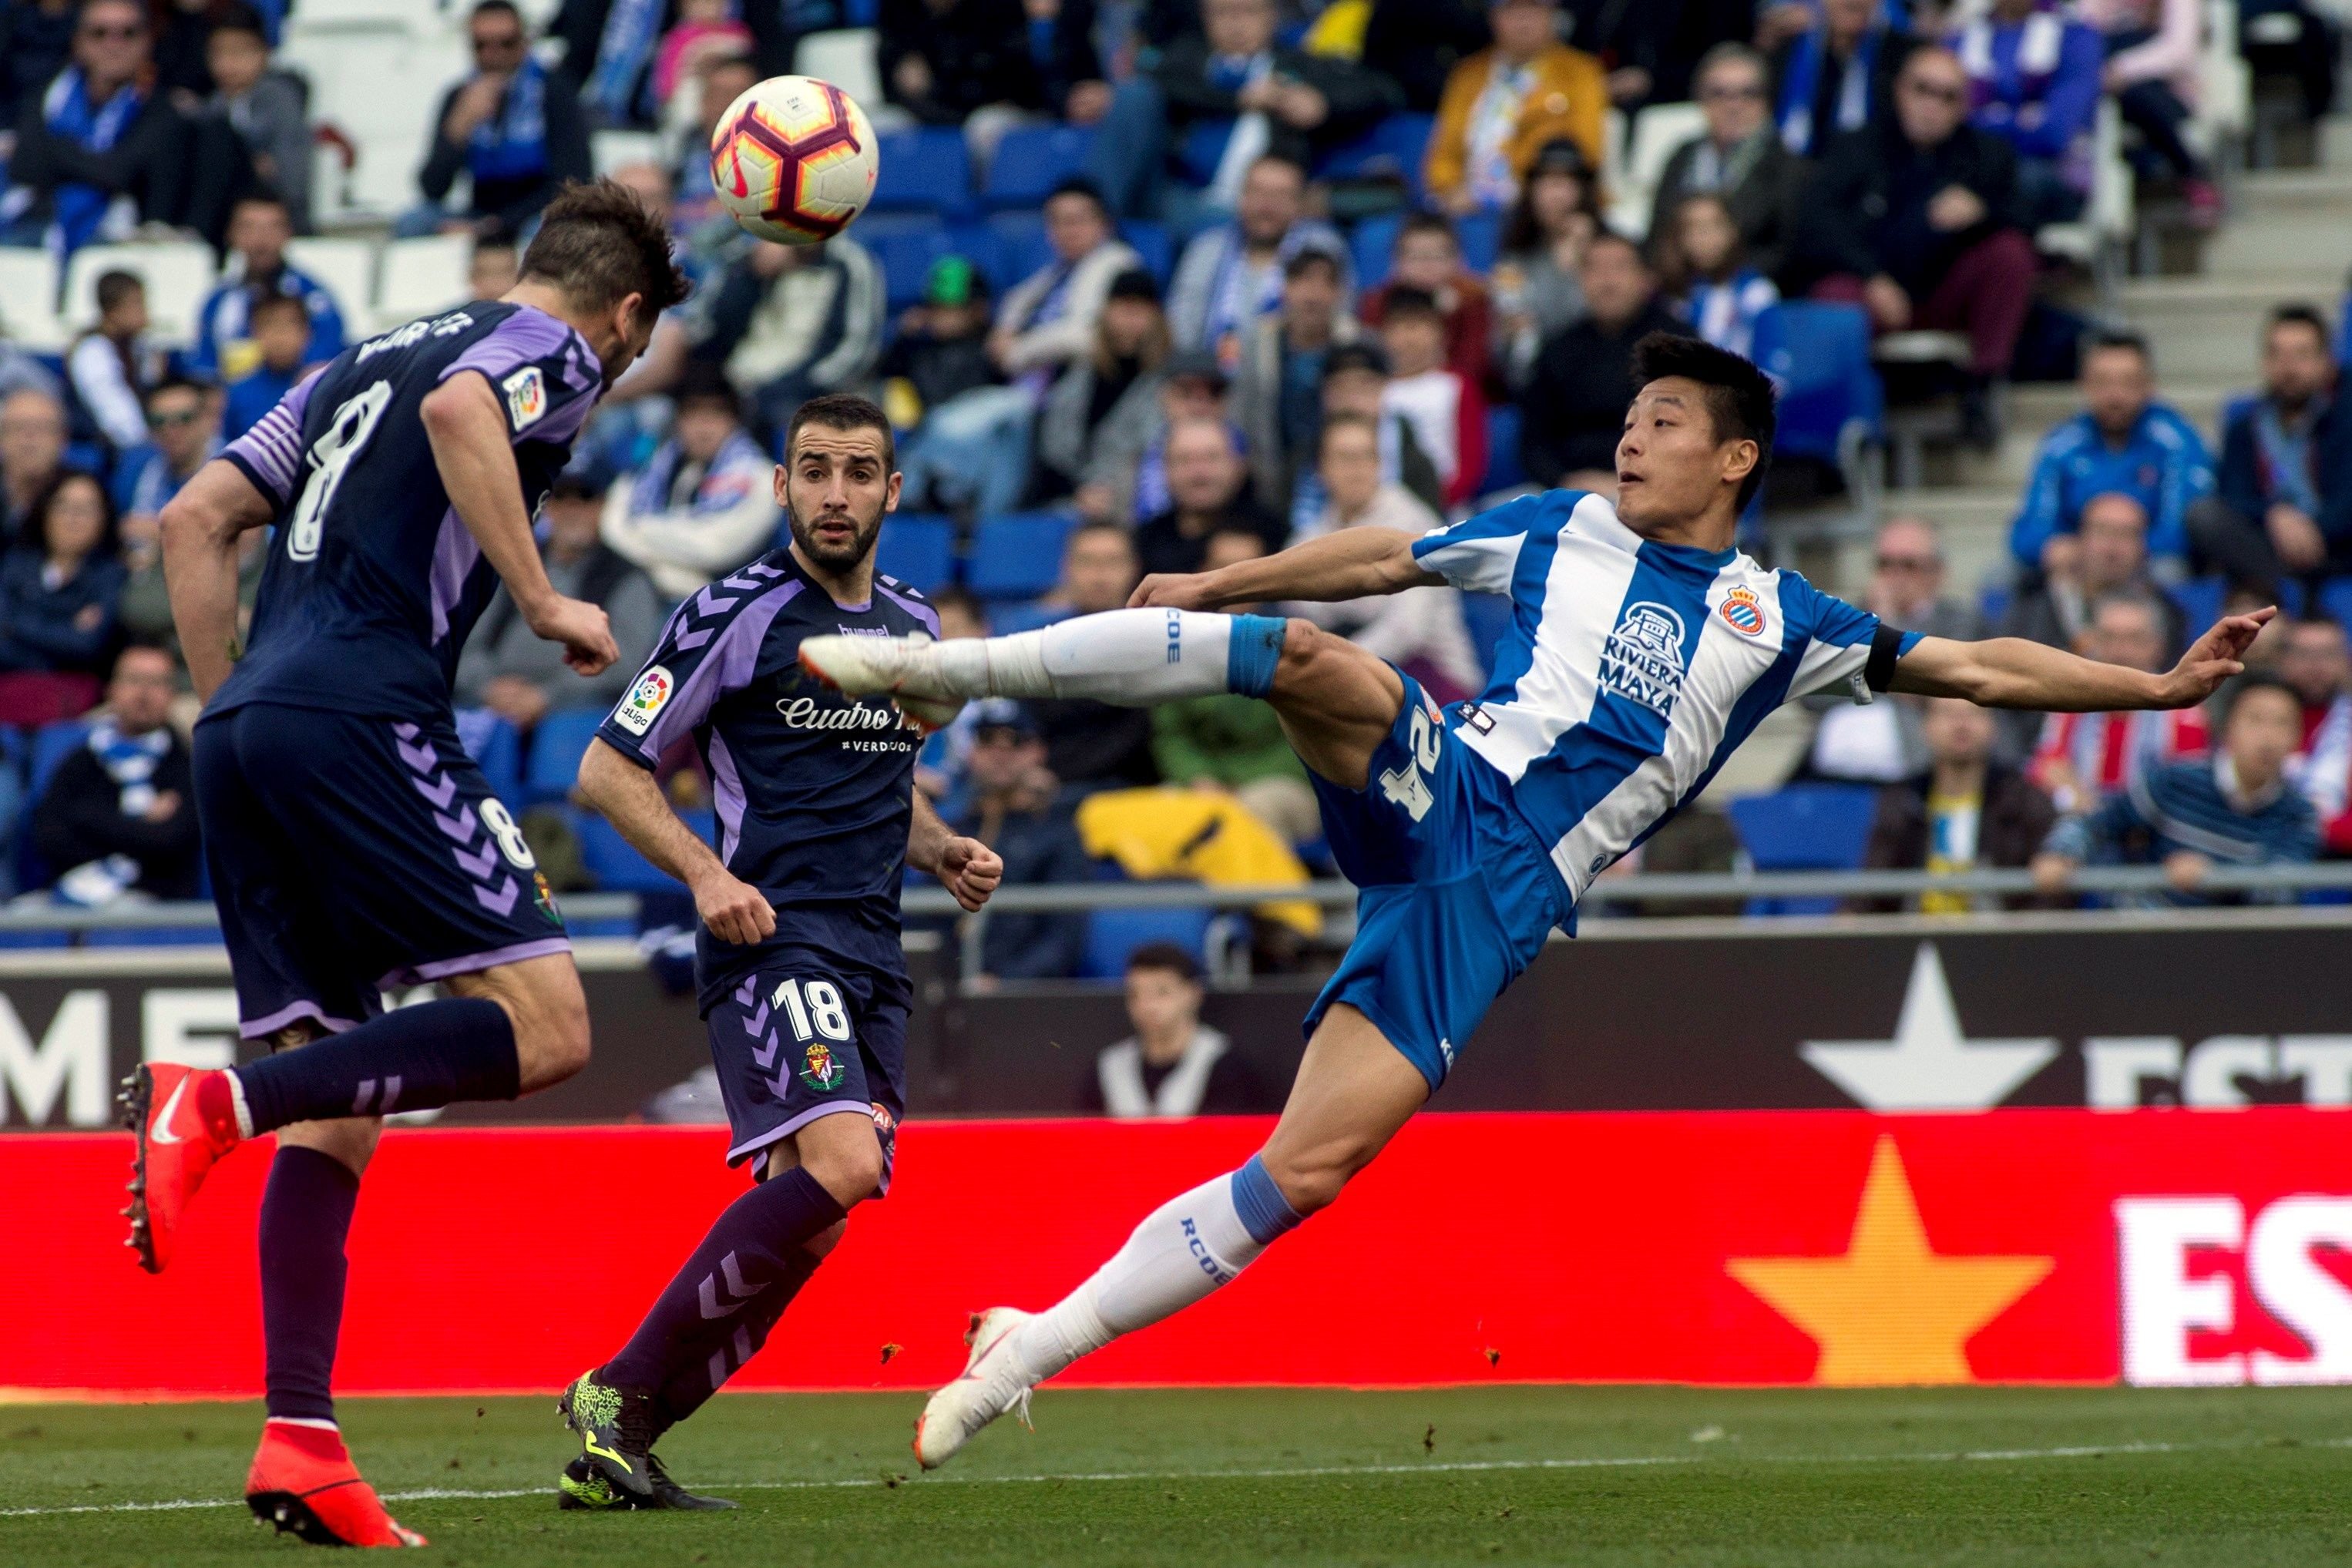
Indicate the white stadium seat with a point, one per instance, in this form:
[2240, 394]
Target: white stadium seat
[610, 150]
[176, 275]
[1658, 130]
[379, 88]
[846, 57]
[420, 276]
[347, 267]
[28, 296]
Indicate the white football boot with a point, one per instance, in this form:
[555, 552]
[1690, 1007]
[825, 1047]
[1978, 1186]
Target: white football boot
[895, 667]
[991, 1384]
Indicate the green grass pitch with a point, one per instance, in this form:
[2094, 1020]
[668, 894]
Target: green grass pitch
[1587, 1476]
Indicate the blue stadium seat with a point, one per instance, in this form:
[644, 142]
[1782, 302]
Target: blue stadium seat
[152, 937]
[1113, 934]
[1369, 246]
[2199, 598]
[1396, 146]
[923, 171]
[52, 744]
[1022, 247]
[1481, 236]
[1804, 827]
[1153, 244]
[1016, 556]
[1034, 159]
[614, 862]
[1993, 605]
[919, 549]
[1503, 471]
[556, 749]
[1201, 149]
[1831, 401]
[496, 748]
[905, 244]
[2335, 600]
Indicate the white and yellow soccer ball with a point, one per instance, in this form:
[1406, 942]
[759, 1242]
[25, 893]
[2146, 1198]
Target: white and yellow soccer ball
[794, 160]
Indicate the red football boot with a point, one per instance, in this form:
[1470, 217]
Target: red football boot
[304, 1481]
[182, 1119]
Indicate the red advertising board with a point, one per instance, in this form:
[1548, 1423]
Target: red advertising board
[1715, 1248]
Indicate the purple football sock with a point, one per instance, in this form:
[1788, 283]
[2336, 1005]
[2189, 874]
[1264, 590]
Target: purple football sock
[306, 1211]
[711, 1360]
[410, 1058]
[748, 1252]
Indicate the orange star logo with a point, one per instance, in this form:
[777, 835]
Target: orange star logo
[1891, 1309]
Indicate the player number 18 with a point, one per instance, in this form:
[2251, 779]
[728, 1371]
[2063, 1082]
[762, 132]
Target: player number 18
[822, 1007]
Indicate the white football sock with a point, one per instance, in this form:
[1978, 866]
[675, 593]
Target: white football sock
[1181, 1251]
[1130, 657]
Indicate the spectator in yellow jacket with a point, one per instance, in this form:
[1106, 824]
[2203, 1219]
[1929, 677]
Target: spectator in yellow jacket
[1503, 104]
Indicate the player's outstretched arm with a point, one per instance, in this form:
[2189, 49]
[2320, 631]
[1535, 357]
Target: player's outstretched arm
[970, 869]
[1349, 564]
[2010, 672]
[624, 791]
[474, 455]
[201, 526]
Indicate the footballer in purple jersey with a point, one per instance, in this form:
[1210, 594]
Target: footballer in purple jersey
[351, 843]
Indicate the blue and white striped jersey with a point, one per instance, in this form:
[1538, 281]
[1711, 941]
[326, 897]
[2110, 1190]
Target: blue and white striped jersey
[1630, 669]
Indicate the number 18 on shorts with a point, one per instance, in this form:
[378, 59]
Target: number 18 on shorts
[797, 1040]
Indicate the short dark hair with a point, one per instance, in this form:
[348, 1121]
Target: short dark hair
[113, 288]
[844, 411]
[1079, 185]
[1307, 258]
[1360, 356]
[35, 532]
[1425, 222]
[2255, 681]
[1166, 956]
[959, 598]
[703, 382]
[238, 17]
[264, 196]
[598, 243]
[1406, 304]
[1607, 235]
[495, 7]
[1738, 396]
[2121, 338]
[172, 384]
[277, 305]
[2297, 314]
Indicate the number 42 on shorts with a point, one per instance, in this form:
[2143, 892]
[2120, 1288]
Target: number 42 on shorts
[1409, 786]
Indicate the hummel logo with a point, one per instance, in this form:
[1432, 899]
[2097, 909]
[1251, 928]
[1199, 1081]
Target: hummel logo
[162, 1129]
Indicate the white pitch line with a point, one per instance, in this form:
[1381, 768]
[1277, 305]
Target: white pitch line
[1311, 1473]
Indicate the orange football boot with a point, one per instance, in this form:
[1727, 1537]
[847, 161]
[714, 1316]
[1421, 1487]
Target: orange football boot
[304, 1481]
[176, 1141]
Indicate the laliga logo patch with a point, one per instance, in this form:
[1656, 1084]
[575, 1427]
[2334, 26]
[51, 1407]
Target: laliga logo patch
[645, 699]
[1743, 612]
[526, 392]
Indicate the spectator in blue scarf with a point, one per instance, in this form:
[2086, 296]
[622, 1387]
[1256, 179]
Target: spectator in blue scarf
[2283, 501]
[1838, 75]
[515, 126]
[120, 812]
[100, 150]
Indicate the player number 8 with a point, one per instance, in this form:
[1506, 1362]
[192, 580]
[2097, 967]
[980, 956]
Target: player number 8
[823, 1007]
[330, 454]
[512, 843]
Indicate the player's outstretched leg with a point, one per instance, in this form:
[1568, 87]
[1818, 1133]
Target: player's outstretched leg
[712, 1317]
[1353, 1092]
[512, 1029]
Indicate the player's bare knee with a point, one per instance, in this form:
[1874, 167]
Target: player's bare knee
[1310, 1180]
[847, 1165]
[826, 1241]
[351, 1139]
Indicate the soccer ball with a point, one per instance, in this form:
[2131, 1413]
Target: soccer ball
[794, 160]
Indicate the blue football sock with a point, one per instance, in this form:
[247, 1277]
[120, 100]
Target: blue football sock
[751, 1250]
[306, 1212]
[410, 1058]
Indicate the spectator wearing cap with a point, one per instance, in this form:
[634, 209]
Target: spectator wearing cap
[257, 116]
[1967, 812]
[1537, 290]
[258, 229]
[1427, 257]
[2033, 78]
[1208, 492]
[1502, 104]
[282, 332]
[1576, 398]
[964, 448]
[986, 66]
[1419, 631]
[111, 366]
[2106, 553]
[98, 148]
[703, 505]
[2086, 758]
[1215, 101]
[1914, 217]
[1838, 75]
[32, 454]
[2125, 442]
[1235, 744]
[1356, 381]
[513, 125]
[1278, 384]
[1230, 277]
[1445, 409]
[1174, 1066]
[2314, 662]
[788, 321]
[2282, 502]
[2237, 808]
[120, 814]
[513, 673]
[1106, 404]
[1739, 157]
[1012, 805]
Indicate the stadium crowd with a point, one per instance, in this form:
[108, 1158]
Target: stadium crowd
[1307, 268]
